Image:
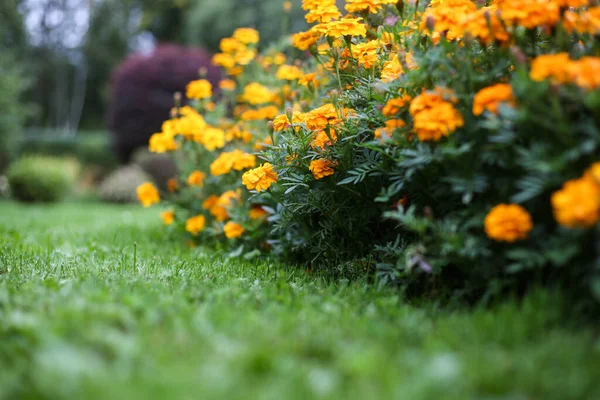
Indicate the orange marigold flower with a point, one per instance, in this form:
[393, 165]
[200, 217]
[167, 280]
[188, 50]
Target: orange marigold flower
[491, 97]
[168, 217]
[210, 201]
[227, 84]
[370, 6]
[390, 126]
[303, 40]
[260, 178]
[551, 66]
[323, 139]
[147, 194]
[393, 106]
[172, 185]
[236, 159]
[246, 35]
[448, 16]
[199, 89]
[485, 26]
[233, 230]
[508, 223]
[434, 115]
[195, 225]
[196, 178]
[366, 53]
[282, 122]
[585, 72]
[321, 168]
[577, 204]
[529, 13]
[257, 212]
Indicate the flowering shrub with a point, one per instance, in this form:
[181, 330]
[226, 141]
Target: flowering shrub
[451, 143]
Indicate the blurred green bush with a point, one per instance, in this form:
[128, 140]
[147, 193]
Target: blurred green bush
[39, 178]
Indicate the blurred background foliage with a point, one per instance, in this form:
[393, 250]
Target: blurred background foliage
[61, 61]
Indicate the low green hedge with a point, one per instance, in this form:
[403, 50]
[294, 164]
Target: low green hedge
[38, 178]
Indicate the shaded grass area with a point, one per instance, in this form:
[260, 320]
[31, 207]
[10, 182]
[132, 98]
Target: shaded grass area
[80, 320]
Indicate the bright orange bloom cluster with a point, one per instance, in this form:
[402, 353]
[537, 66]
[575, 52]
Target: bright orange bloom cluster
[282, 122]
[236, 159]
[447, 17]
[529, 13]
[577, 204]
[323, 11]
[490, 98]
[584, 22]
[434, 115]
[321, 168]
[289, 73]
[196, 178]
[168, 217]
[195, 225]
[233, 230]
[345, 27]
[485, 26]
[198, 89]
[260, 178]
[508, 223]
[393, 106]
[147, 194]
[559, 68]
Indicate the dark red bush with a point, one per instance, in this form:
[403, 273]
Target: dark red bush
[143, 88]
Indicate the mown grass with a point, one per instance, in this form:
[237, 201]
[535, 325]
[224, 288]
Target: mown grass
[80, 320]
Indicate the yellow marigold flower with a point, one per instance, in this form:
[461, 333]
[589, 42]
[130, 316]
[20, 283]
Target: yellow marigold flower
[289, 73]
[246, 35]
[310, 4]
[213, 138]
[228, 198]
[172, 185]
[392, 69]
[227, 84]
[168, 217]
[196, 178]
[199, 89]
[147, 194]
[491, 97]
[321, 168]
[233, 230]
[508, 223]
[393, 106]
[162, 142]
[325, 12]
[577, 204]
[236, 159]
[344, 27]
[551, 66]
[303, 40]
[306, 79]
[257, 212]
[244, 56]
[260, 178]
[255, 93]
[358, 6]
[223, 60]
[231, 45]
[195, 225]
[434, 116]
[287, 6]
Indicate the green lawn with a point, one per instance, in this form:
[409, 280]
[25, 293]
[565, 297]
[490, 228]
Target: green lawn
[80, 320]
